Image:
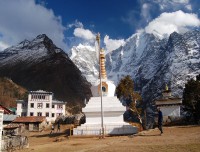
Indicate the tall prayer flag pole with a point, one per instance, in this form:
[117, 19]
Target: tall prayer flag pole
[99, 49]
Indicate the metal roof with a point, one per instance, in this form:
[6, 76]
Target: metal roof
[7, 117]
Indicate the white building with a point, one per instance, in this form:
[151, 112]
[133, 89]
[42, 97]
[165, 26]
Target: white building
[41, 103]
[169, 105]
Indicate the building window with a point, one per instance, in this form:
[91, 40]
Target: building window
[47, 97]
[53, 106]
[47, 105]
[59, 114]
[39, 105]
[23, 105]
[23, 113]
[59, 106]
[52, 115]
[39, 114]
[32, 105]
[31, 113]
[47, 114]
[104, 89]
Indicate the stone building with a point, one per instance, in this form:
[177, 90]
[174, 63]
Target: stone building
[32, 123]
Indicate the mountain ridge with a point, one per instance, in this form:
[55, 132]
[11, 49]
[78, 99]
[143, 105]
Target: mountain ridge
[39, 64]
[153, 62]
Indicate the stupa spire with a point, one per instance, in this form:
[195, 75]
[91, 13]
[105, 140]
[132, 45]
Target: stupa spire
[102, 68]
[102, 64]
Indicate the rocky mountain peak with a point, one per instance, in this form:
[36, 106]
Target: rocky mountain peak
[153, 62]
[43, 38]
[39, 64]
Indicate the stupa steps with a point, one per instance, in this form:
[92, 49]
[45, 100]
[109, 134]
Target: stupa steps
[108, 103]
[105, 109]
[112, 129]
[107, 126]
[95, 100]
[104, 105]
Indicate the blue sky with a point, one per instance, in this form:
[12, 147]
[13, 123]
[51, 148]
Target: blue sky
[70, 22]
[105, 16]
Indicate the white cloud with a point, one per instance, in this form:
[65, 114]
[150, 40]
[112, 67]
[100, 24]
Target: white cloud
[180, 1]
[22, 19]
[84, 34]
[3, 46]
[189, 7]
[173, 4]
[76, 24]
[145, 11]
[177, 21]
[112, 44]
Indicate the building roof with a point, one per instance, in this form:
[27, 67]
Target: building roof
[57, 102]
[168, 101]
[166, 91]
[6, 110]
[7, 117]
[40, 92]
[20, 101]
[30, 119]
[11, 126]
[13, 109]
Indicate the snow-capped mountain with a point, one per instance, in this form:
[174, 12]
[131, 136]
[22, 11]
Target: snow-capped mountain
[39, 64]
[29, 52]
[84, 56]
[152, 62]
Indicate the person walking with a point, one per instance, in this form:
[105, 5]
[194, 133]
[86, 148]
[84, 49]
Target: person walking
[160, 120]
[52, 129]
[58, 129]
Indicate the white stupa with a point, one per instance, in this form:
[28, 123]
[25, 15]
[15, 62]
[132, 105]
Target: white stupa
[104, 112]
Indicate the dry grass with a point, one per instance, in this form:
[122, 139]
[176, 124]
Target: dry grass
[174, 139]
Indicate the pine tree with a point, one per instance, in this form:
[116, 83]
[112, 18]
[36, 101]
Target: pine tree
[191, 98]
[125, 92]
[125, 88]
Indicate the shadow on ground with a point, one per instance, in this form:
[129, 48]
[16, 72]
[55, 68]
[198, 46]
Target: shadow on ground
[51, 135]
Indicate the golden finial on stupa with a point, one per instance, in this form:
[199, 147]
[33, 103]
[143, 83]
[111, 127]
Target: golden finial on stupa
[101, 54]
[102, 64]
[166, 87]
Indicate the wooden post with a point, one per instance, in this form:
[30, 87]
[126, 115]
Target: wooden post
[145, 119]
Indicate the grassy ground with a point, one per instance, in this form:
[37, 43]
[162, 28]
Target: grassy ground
[174, 139]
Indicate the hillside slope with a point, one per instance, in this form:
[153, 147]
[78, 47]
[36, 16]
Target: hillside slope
[10, 92]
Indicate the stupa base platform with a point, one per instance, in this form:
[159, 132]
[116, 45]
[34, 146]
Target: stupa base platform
[109, 129]
[112, 118]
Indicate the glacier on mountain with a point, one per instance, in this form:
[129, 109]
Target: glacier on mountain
[84, 57]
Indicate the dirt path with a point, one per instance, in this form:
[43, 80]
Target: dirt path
[174, 139]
